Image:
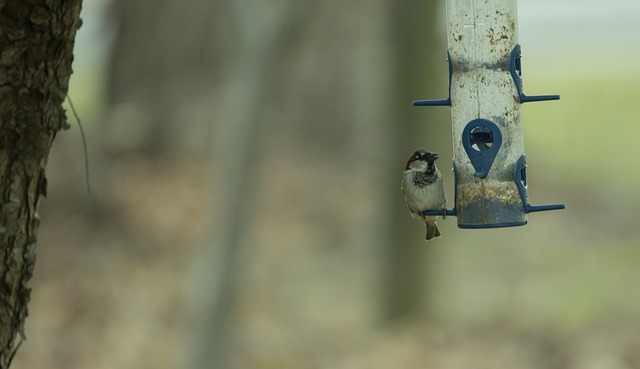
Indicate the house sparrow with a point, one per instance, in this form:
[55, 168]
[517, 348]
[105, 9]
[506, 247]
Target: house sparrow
[423, 188]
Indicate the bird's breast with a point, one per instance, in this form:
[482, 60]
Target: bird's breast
[423, 192]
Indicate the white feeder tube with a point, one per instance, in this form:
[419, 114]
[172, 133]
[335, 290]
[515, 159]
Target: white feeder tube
[481, 36]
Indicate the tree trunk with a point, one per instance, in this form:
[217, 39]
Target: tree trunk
[420, 56]
[36, 51]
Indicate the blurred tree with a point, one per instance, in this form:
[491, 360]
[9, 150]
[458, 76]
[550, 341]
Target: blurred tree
[158, 77]
[419, 74]
[303, 80]
[37, 41]
[258, 42]
[180, 92]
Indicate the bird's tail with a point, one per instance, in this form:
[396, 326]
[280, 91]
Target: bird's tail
[432, 230]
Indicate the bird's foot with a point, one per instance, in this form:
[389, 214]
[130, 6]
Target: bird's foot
[444, 213]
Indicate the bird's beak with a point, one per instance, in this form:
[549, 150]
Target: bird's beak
[433, 156]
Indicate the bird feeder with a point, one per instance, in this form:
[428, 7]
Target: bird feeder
[485, 96]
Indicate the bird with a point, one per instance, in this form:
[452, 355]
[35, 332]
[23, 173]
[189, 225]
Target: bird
[423, 188]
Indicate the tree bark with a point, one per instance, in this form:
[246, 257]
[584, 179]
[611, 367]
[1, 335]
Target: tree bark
[36, 52]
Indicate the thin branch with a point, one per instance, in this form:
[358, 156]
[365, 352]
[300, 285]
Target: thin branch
[84, 144]
[14, 351]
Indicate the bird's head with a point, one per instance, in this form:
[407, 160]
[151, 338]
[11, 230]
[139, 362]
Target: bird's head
[420, 159]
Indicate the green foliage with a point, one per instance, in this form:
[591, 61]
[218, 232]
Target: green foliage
[586, 137]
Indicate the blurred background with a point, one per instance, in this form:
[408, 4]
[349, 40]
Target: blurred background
[245, 207]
